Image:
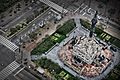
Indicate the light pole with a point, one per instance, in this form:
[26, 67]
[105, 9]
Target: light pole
[89, 3]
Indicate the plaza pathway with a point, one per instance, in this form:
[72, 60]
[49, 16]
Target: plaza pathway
[53, 54]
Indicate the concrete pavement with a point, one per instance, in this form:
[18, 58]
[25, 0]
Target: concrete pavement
[54, 6]
[53, 54]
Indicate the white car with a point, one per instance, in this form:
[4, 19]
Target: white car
[33, 25]
[99, 18]
[41, 24]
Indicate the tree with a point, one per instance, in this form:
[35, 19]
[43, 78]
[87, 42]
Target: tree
[111, 11]
[2, 20]
[11, 9]
[41, 63]
[26, 1]
[106, 3]
[13, 30]
[33, 35]
[58, 77]
[100, 6]
[18, 27]
[2, 16]
[18, 5]
[36, 13]
[5, 4]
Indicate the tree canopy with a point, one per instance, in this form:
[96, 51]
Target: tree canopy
[5, 4]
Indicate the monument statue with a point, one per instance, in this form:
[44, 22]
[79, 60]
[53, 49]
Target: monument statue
[94, 21]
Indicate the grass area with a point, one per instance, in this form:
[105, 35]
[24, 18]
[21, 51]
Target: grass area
[62, 73]
[49, 65]
[56, 37]
[55, 70]
[48, 43]
[66, 27]
[101, 34]
[43, 47]
[17, 28]
[65, 75]
[114, 74]
[85, 23]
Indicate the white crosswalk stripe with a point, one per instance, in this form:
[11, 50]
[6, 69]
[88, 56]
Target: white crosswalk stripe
[8, 70]
[8, 44]
[54, 6]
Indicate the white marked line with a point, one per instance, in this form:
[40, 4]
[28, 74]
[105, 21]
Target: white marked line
[84, 8]
[8, 44]
[8, 70]
[78, 8]
[55, 6]
[19, 71]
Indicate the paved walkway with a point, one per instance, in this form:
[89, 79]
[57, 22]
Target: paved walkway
[54, 6]
[53, 54]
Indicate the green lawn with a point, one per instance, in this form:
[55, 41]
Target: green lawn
[55, 70]
[114, 74]
[49, 65]
[17, 28]
[62, 73]
[56, 37]
[84, 23]
[101, 34]
[66, 27]
[47, 44]
[43, 47]
[66, 77]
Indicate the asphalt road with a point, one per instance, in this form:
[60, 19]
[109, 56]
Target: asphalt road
[6, 56]
[24, 75]
[29, 27]
[22, 15]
